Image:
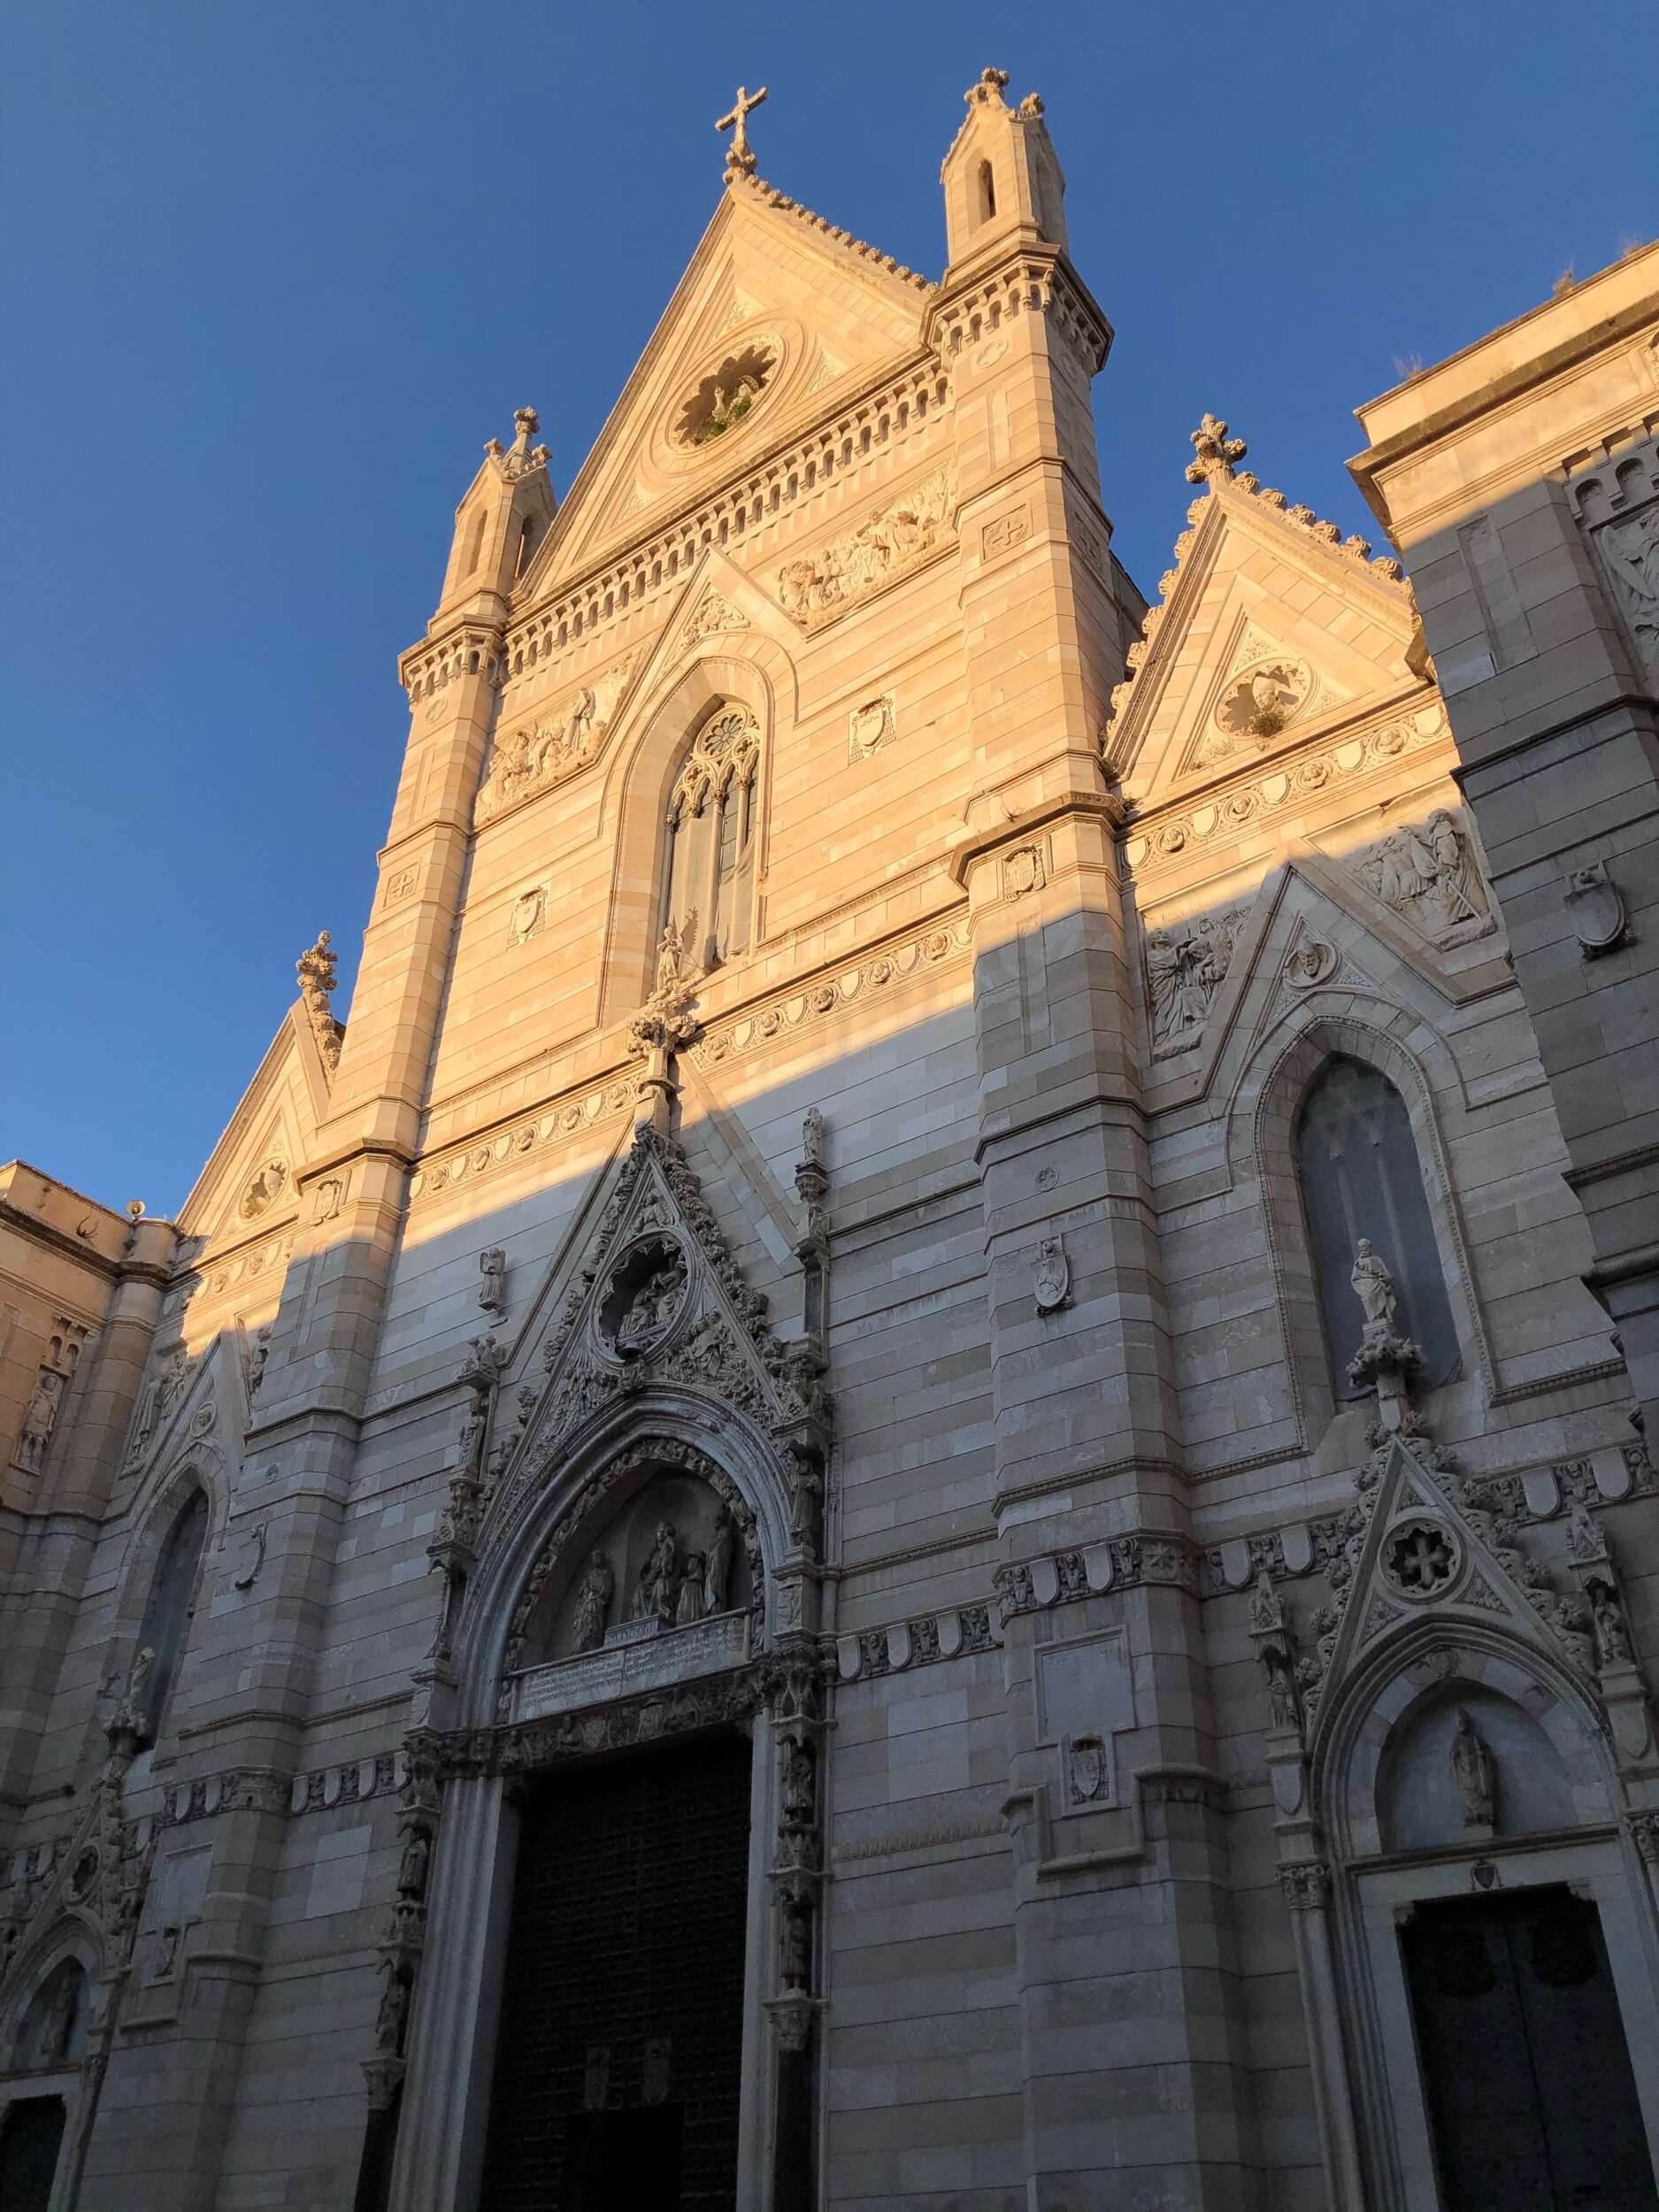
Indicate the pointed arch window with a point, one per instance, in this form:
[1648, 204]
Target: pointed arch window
[1357, 1167]
[711, 882]
[166, 1625]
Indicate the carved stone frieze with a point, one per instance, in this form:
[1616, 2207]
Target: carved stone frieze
[815, 587]
[1428, 874]
[1186, 965]
[1170, 836]
[545, 752]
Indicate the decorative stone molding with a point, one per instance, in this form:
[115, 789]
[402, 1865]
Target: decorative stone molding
[896, 409]
[735, 1035]
[715, 1702]
[1067, 1578]
[871, 726]
[1163, 838]
[1040, 283]
[431, 667]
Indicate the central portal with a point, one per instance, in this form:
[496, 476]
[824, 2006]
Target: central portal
[618, 2059]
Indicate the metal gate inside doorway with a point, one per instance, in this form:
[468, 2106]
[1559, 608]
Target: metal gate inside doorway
[619, 2051]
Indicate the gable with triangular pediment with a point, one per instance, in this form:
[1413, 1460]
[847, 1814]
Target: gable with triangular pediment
[250, 1184]
[1415, 1546]
[1267, 634]
[774, 298]
[658, 1301]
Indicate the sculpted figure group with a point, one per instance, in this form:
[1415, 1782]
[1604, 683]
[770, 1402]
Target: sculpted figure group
[674, 1587]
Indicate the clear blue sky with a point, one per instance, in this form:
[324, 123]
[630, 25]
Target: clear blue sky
[272, 274]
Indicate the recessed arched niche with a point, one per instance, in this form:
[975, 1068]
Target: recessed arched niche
[1467, 1749]
[661, 1583]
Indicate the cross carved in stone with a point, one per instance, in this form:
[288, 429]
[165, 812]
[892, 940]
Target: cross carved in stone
[740, 154]
[1421, 1560]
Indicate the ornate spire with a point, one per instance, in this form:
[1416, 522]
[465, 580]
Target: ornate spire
[1217, 453]
[991, 86]
[521, 457]
[740, 154]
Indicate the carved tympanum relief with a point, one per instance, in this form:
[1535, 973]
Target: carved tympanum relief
[1428, 873]
[818, 586]
[1186, 965]
[546, 751]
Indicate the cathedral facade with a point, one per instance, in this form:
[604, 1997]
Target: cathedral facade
[916, 1478]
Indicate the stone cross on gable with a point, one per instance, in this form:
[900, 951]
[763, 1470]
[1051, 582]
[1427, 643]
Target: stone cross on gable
[740, 154]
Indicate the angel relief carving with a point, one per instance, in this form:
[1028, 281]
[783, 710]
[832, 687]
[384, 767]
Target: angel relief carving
[819, 586]
[545, 752]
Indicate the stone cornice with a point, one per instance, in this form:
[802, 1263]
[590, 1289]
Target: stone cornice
[898, 403]
[1026, 275]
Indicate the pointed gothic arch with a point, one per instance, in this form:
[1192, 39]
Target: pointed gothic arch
[662, 1381]
[746, 669]
[1267, 1101]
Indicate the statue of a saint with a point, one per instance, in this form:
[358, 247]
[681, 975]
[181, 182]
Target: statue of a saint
[659, 1578]
[411, 1867]
[593, 1603]
[653, 1307]
[1612, 1637]
[1475, 1772]
[716, 1562]
[56, 2026]
[688, 1605]
[393, 2012]
[1374, 1288]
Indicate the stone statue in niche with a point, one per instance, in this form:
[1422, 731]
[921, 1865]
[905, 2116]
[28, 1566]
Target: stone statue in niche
[1475, 1773]
[652, 1307]
[716, 1562]
[57, 2024]
[258, 1353]
[658, 1593]
[800, 1785]
[688, 1605]
[1281, 1687]
[40, 1418]
[492, 1292]
[1430, 874]
[411, 1867]
[394, 2013]
[593, 1603]
[1374, 1288]
[1612, 1636]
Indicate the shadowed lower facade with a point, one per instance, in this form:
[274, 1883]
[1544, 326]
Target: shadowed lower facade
[916, 1475]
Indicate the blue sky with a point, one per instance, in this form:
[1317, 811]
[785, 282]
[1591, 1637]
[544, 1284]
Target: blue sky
[272, 274]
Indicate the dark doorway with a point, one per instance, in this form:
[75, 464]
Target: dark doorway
[31, 2136]
[619, 2055]
[1524, 2065]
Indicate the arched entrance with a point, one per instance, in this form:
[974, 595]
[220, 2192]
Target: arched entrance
[1495, 1939]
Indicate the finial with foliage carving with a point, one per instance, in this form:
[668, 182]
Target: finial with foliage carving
[1217, 453]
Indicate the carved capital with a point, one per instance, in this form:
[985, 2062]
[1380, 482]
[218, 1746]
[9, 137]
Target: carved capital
[1305, 1884]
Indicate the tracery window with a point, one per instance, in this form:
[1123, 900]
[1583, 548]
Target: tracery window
[1356, 1163]
[711, 878]
[166, 1623]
